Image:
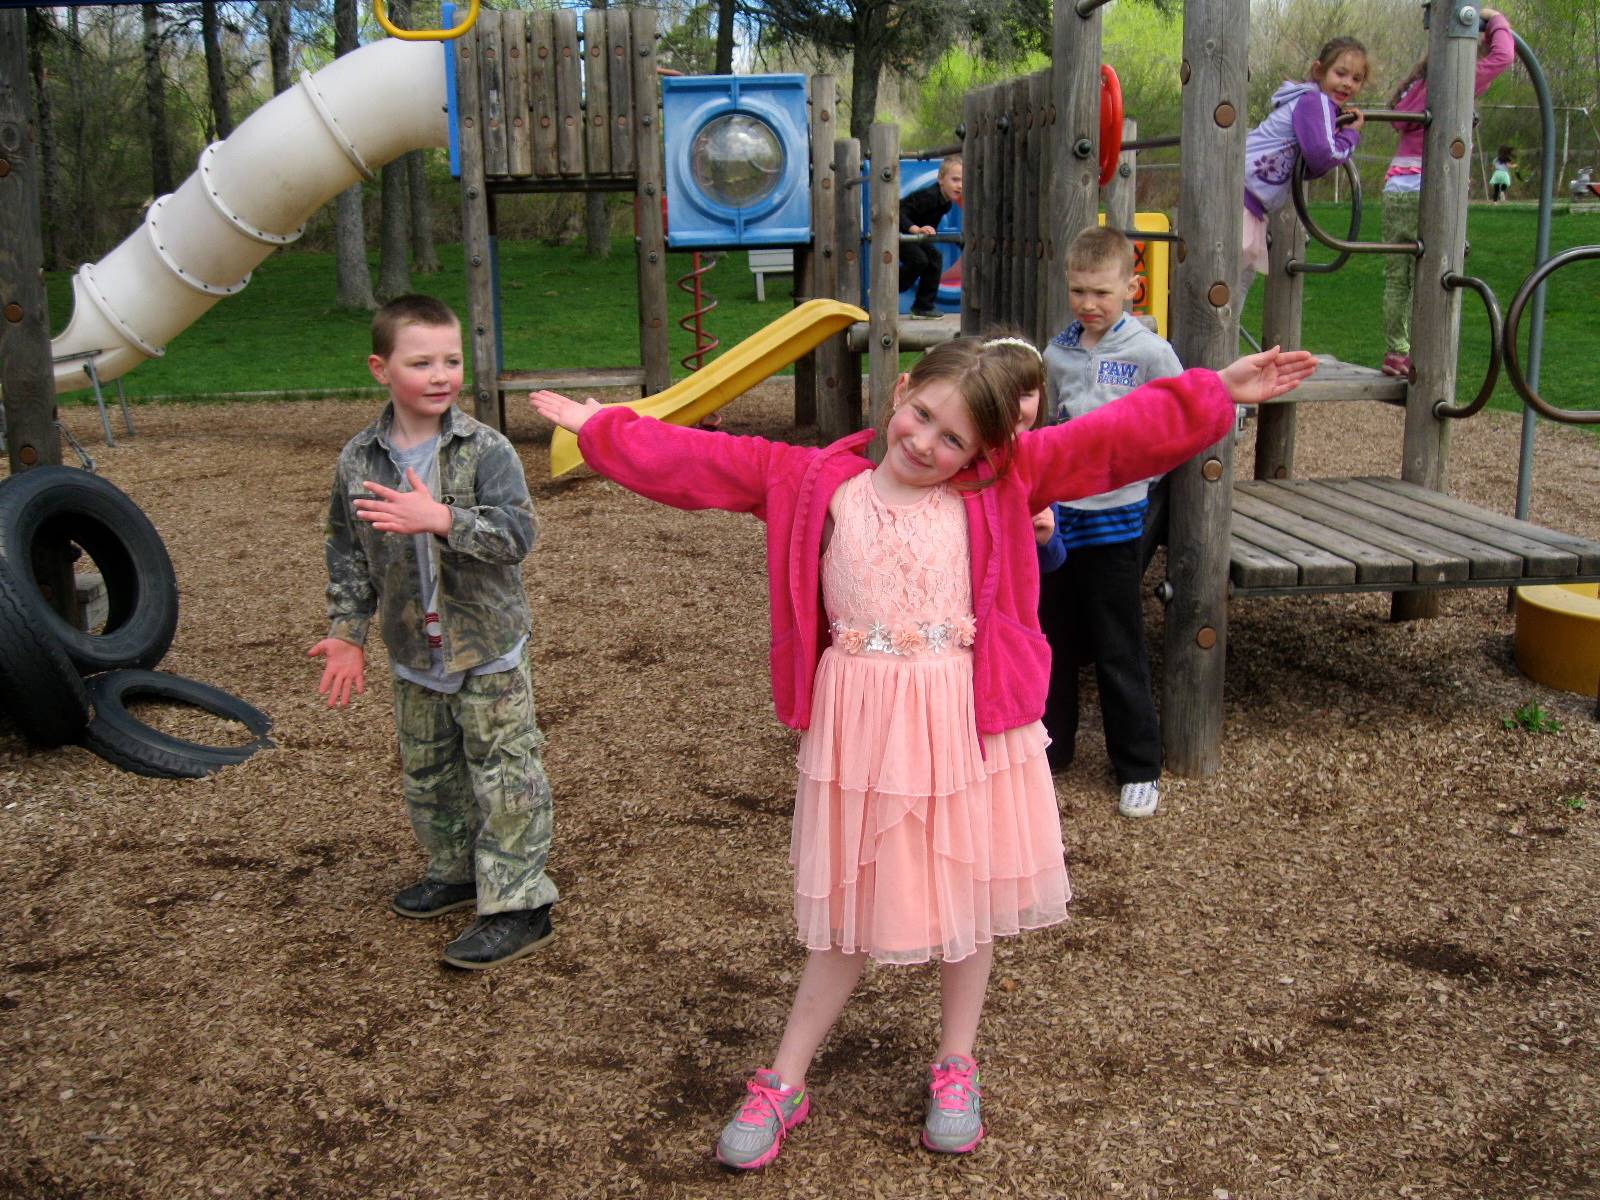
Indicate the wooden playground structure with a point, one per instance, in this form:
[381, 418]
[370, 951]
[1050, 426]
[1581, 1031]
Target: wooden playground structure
[545, 106]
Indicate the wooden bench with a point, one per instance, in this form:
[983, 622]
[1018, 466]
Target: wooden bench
[769, 262]
[576, 381]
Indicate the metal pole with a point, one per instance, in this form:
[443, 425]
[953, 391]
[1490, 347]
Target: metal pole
[1541, 254]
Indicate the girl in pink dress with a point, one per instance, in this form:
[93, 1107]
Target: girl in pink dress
[906, 646]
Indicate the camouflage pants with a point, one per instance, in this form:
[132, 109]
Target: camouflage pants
[1399, 225]
[475, 786]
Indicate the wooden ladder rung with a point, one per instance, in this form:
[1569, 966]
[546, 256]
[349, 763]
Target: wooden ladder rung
[572, 379]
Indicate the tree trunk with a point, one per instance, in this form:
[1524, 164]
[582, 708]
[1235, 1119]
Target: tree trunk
[725, 37]
[277, 14]
[82, 213]
[394, 234]
[155, 105]
[216, 70]
[354, 278]
[424, 257]
[863, 93]
[40, 29]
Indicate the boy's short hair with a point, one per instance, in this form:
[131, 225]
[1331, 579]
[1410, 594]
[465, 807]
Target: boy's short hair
[948, 161]
[412, 309]
[1101, 246]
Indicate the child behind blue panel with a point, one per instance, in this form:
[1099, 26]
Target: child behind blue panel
[1091, 608]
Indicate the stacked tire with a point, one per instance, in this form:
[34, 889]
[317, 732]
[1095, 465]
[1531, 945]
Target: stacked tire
[61, 684]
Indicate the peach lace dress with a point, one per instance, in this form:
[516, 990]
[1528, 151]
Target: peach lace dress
[915, 838]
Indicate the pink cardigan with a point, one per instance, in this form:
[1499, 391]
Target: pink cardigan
[1407, 158]
[1145, 433]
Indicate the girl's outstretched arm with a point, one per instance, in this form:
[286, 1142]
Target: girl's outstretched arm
[1256, 378]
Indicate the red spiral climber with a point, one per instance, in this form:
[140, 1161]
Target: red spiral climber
[704, 302]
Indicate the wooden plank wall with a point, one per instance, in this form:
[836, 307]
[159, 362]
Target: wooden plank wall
[558, 101]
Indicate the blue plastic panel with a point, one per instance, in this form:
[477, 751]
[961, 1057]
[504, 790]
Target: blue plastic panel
[697, 220]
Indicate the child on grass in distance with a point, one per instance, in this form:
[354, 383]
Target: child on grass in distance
[921, 263]
[1312, 119]
[1092, 609]
[443, 575]
[905, 645]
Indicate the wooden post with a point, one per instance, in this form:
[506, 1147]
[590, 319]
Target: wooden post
[1119, 196]
[828, 370]
[491, 93]
[487, 403]
[1048, 269]
[814, 269]
[1435, 309]
[25, 371]
[1075, 139]
[847, 221]
[596, 93]
[647, 154]
[1035, 105]
[569, 93]
[1206, 334]
[883, 352]
[972, 264]
[1280, 326]
[519, 136]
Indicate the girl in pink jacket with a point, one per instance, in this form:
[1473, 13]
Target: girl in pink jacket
[906, 646]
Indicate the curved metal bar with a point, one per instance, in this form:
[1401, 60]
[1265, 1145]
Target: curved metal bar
[1084, 7]
[1529, 395]
[1496, 328]
[1541, 252]
[1153, 143]
[1297, 266]
[1297, 192]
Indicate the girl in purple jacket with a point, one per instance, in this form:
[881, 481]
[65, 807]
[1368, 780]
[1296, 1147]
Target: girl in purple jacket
[906, 646]
[1313, 120]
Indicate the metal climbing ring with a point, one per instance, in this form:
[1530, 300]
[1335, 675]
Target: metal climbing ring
[1442, 408]
[1509, 337]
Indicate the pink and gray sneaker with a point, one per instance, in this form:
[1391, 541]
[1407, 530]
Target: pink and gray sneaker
[1397, 365]
[954, 1124]
[754, 1136]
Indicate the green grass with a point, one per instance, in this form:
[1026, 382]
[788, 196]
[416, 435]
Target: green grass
[1343, 313]
[563, 310]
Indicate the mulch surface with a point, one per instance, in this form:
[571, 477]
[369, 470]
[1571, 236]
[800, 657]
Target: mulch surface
[1357, 961]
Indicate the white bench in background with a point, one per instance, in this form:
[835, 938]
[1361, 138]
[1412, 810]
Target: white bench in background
[769, 262]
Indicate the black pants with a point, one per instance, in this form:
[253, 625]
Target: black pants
[922, 264]
[1092, 611]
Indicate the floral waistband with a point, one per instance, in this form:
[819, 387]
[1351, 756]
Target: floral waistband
[907, 639]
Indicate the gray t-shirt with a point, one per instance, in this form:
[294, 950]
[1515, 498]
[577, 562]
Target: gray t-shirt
[423, 458]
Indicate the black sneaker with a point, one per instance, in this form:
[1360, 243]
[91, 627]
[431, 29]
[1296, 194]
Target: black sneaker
[431, 898]
[500, 937]
[924, 312]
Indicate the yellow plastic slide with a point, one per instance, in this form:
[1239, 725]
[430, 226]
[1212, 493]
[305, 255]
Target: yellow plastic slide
[690, 401]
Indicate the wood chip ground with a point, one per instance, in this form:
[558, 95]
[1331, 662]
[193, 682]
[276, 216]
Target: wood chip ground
[1359, 961]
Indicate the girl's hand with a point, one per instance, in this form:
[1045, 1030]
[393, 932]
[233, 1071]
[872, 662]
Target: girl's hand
[565, 412]
[1044, 525]
[1351, 117]
[1256, 378]
[404, 512]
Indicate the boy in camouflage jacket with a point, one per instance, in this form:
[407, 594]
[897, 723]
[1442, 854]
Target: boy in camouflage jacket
[444, 578]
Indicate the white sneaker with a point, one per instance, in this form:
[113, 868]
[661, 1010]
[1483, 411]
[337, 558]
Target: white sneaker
[1139, 799]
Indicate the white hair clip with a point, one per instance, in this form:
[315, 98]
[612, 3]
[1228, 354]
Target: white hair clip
[1014, 341]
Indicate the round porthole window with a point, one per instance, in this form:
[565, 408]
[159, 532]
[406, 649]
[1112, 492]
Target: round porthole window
[737, 160]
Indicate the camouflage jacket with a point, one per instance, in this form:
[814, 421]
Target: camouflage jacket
[482, 606]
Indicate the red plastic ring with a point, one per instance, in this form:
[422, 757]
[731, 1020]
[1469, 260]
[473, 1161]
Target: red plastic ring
[1110, 123]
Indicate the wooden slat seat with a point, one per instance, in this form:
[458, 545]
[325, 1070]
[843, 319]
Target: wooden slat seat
[1372, 534]
[1337, 380]
[921, 333]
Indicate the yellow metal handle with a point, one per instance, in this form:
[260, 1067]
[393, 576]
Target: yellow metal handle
[380, 10]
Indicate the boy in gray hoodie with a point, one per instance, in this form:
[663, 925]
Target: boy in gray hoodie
[1092, 609]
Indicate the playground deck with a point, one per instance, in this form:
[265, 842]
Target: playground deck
[1376, 534]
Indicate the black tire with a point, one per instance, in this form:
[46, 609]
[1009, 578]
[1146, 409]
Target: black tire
[47, 508]
[39, 687]
[127, 742]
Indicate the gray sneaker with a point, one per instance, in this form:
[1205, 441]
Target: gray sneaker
[954, 1124]
[1139, 799]
[754, 1136]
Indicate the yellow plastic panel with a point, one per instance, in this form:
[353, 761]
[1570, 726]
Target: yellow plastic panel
[1558, 636]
